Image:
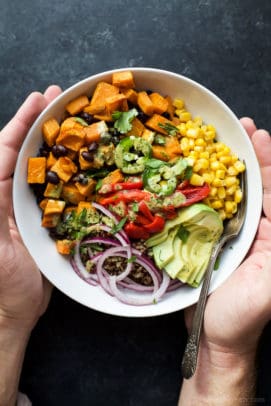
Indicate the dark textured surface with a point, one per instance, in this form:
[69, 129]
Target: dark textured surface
[78, 356]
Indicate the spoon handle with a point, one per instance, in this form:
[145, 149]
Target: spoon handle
[190, 356]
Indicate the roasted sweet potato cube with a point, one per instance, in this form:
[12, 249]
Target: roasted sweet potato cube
[70, 123]
[145, 103]
[170, 108]
[101, 92]
[36, 171]
[65, 168]
[71, 194]
[87, 189]
[114, 102]
[72, 139]
[50, 220]
[51, 160]
[77, 105]
[94, 131]
[154, 121]
[52, 190]
[160, 103]
[137, 128]
[54, 206]
[131, 95]
[50, 131]
[84, 205]
[65, 246]
[123, 79]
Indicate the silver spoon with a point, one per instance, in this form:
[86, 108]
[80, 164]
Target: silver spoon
[231, 230]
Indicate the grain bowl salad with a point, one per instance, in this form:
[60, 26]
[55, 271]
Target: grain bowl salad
[134, 190]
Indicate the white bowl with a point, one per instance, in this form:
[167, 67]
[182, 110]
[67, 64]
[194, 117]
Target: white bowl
[199, 101]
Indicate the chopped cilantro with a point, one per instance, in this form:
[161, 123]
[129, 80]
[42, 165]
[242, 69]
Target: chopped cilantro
[135, 207]
[132, 259]
[81, 121]
[169, 128]
[183, 233]
[98, 185]
[154, 163]
[188, 172]
[123, 120]
[117, 227]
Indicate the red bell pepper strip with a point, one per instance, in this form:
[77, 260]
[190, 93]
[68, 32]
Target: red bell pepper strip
[126, 196]
[144, 209]
[194, 194]
[115, 187]
[156, 225]
[136, 232]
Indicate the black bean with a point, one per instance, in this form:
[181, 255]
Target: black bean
[44, 150]
[87, 117]
[166, 115]
[93, 146]
[81, 178]
[87, 156]
[59, 150]
[52, 177]
[142, 116]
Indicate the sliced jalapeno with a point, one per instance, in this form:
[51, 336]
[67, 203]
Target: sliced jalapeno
[131, 154]
[163, 179]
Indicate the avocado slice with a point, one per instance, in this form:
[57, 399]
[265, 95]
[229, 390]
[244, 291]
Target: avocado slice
[187, 260]
[164, 252]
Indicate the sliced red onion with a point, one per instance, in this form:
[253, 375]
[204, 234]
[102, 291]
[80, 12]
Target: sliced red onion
[142, 300]
[101, 240]
[108, 213]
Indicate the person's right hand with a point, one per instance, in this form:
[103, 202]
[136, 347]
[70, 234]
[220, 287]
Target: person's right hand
[238, 310]
[24, 293]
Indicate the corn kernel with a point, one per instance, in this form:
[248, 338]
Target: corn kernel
[230, 207]
[208, 177]
[218, 182]
[213, 191]
[196, 180]
[234, 158]
[178, 103]
[204, 155]
[231, 190]
[221, 192]
[184, 143]
[230, 180]
[239, 166]
[182, 128]
[238, 195]
[222, 214]
[185, 116]
[200, 141]
[220, 173]
[217, 204]
[198, 148]
[225, 159]
[192, 132]
[191, 143]
[209, 135]
[232, 171]
[215, 165]
[198, 120]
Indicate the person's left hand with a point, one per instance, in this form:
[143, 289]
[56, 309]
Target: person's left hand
[24, 293]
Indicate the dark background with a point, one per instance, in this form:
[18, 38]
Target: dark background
[77, 356]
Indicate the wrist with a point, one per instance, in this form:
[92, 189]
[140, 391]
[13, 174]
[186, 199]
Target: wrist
[223, 376]
[13, 342]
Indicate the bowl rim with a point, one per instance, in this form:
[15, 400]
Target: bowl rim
[148, 311]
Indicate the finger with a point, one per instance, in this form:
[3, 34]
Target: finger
[262, 144]
[13, 134]
[52, 92]
[248, 125]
